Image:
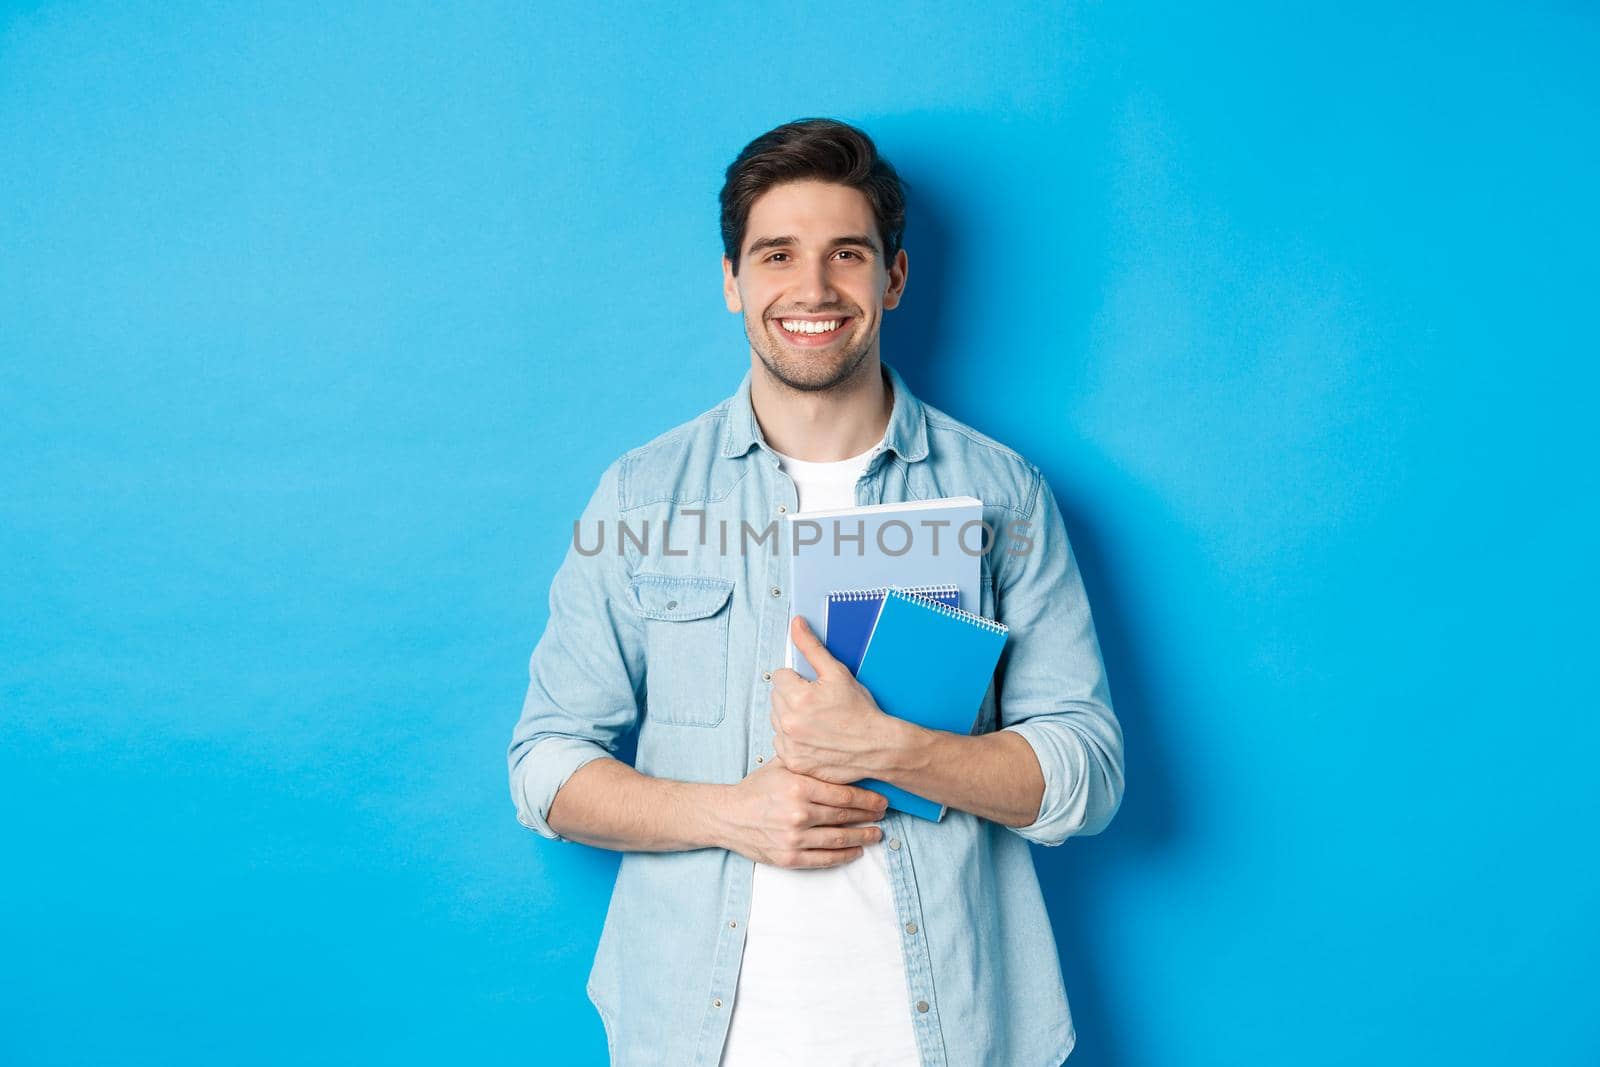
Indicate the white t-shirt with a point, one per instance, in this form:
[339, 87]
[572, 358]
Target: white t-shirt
[823, 978]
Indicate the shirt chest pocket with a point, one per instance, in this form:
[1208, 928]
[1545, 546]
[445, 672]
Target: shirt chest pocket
[686, 620]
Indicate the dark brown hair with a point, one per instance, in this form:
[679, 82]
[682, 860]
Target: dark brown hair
[818, 150]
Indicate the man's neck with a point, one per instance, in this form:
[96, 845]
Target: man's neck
[822, 427]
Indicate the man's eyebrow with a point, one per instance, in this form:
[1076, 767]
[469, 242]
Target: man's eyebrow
[860, 240]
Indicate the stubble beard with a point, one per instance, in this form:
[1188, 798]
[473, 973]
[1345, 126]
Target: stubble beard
[807, 372]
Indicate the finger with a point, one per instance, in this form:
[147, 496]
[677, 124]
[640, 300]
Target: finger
[815, 652]
[846, 796]
[827, 857]
[839, 836]
[824, 815]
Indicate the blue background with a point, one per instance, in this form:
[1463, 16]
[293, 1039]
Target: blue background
[318, 327]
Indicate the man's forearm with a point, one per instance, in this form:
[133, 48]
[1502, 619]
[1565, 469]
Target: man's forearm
[994, 775]
[608, 804]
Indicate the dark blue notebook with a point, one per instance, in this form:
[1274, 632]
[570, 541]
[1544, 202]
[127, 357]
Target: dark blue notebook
[930, 664]
[848, 615]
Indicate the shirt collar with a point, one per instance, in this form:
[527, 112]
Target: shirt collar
[906, 437]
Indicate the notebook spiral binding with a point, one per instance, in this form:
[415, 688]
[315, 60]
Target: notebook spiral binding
[878, 591]
[955, 613]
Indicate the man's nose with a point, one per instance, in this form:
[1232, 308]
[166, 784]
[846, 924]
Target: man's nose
[815, 286]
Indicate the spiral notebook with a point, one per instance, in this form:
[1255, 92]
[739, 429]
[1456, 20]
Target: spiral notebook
[930, 664]
[913, 542]
[848, 616]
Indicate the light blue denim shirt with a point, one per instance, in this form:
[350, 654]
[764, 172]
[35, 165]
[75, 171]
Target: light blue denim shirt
[677, 639]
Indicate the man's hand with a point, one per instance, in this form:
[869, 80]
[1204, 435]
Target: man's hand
[830, 729]
[777, 817]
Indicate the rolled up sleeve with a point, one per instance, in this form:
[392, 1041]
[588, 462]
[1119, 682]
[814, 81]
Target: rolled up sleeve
[586, 674]
[1051, 683]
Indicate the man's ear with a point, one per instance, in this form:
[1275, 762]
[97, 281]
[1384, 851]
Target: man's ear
[730, 286]
[897, 280]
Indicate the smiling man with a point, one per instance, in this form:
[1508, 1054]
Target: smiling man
[766, 911]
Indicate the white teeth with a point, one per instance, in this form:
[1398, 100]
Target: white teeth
[802, 326]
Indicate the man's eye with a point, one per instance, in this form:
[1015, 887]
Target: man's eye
[848, 252]
[774, 257]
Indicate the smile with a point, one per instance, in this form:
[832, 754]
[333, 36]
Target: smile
[813, 331]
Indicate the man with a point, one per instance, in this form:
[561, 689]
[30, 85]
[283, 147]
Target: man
[765, 910]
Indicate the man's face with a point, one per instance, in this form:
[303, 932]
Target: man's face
[812, 258]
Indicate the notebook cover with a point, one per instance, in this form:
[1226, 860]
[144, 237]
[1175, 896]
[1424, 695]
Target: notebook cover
[933, 554]
[849, 614]
[929, 664]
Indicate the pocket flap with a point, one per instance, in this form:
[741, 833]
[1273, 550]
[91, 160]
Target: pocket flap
[679, 598]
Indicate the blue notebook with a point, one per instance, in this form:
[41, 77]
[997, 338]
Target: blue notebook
[930, 664]
[915, 542]
[848, 616]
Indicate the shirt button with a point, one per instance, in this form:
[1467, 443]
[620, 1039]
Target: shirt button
[671, 604]
[922, 1005]
[911, 928]
[776, 591]
[758, 759]
[783, 509]
[732, 923]
[716, 1002]
[894, 843]
[766, 676]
